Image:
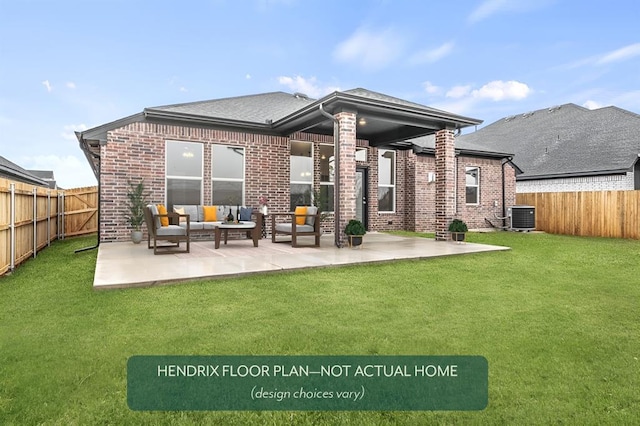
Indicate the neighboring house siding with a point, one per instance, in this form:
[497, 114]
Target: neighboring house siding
[575, 184]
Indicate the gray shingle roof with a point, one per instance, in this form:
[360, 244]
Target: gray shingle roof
[251, 108]
[11, 170]
[565, 140]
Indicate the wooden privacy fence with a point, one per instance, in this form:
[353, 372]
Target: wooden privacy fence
[33, 216]
[612, 214]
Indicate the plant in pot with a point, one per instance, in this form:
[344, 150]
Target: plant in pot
[355, 230]
[136, 197]
[458, 230]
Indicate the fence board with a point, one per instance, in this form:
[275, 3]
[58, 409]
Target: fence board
[612, 214]
[40, 208]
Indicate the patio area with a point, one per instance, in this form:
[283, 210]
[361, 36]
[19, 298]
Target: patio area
[122, 265]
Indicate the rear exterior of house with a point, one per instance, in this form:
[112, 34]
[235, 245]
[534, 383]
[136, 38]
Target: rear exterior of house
[389, 184]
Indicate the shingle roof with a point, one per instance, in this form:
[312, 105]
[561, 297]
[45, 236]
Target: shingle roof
[251, 108]
[13, 171]
[566, 140]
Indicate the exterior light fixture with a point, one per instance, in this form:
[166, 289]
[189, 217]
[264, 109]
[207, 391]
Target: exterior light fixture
[362, 121]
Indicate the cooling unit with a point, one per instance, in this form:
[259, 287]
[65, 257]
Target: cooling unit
[522, 218]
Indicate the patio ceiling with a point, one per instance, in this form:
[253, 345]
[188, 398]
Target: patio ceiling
[382, 120]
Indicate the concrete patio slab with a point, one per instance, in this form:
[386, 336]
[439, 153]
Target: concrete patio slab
[121, 265]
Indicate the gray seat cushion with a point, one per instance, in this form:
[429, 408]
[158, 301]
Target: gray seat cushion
[171, 230]
[311, 220]
[194, 226]
[286, 227]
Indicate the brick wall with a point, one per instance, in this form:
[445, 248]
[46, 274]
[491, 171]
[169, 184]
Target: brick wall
[587, 183]
[138, 151]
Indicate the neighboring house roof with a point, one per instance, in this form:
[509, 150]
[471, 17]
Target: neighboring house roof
[427, 145]
[12, 171]
[46, 175]
[566, 140]
[389, 120]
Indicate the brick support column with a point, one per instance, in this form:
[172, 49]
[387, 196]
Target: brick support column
[347, 170]
[445, 182]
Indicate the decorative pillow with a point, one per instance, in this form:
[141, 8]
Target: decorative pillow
[300, 210]
[210, 213]
[245, 213]
[180, 211]
[164, 221]
[311, 220]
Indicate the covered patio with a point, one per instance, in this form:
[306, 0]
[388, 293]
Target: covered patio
[122, 265]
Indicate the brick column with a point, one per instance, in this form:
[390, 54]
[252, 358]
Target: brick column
[347, 171]
[445, 182]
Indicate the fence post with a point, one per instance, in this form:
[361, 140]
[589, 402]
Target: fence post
[12, 226]
[62, 216]
[35, 222]
[48, 218]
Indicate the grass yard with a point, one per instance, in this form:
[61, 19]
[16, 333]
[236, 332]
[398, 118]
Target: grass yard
[558, 319]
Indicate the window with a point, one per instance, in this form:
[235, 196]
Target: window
[301, 162]
[472, 180]
[386, 180]
[327, 175]
[183, 173]
[227, 175]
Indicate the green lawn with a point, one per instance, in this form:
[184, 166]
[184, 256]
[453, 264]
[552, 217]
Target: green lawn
[558, 319]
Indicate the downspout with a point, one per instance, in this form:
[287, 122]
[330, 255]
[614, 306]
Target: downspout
[336, 177]
[504, 192]
[99, 158]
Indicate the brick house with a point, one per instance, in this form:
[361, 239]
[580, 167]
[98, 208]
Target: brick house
[396, 165]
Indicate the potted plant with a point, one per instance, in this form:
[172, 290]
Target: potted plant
[355, 230]
[136, 197]
[458, 229]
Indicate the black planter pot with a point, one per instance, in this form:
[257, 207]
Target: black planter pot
[355, 240]
[457, 236]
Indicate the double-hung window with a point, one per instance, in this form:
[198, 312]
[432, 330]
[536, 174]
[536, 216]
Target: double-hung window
[386, 180]
[183, 173]
[472, 183]
[227, 175]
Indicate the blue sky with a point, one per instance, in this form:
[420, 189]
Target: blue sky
[72, 65]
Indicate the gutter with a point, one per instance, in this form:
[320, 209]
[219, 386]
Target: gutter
[336, 178]
[506, 161]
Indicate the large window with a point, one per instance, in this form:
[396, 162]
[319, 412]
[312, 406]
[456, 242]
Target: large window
[327, 175]
[183, 173]
[386, 180]
[472, 180]
[301, 174]
[227, 175]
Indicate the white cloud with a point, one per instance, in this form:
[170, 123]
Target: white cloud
[70, 85]
[499, 90]
[371, 50]
[458, 92]
[621, 54]
[430, 88]
[308, 86]
[433, 55]
[592, 104]
[489, 8]
[69, 130]
[248, 76]
[69, 171]
[183, 89]
[47, 85]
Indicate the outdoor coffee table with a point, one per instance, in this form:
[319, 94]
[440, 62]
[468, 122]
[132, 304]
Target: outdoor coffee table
[249, 227]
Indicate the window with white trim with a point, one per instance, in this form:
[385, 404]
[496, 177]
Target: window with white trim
[386, 180]
[472, 183]
[301, 171]
[184, 164]
[227, 175]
